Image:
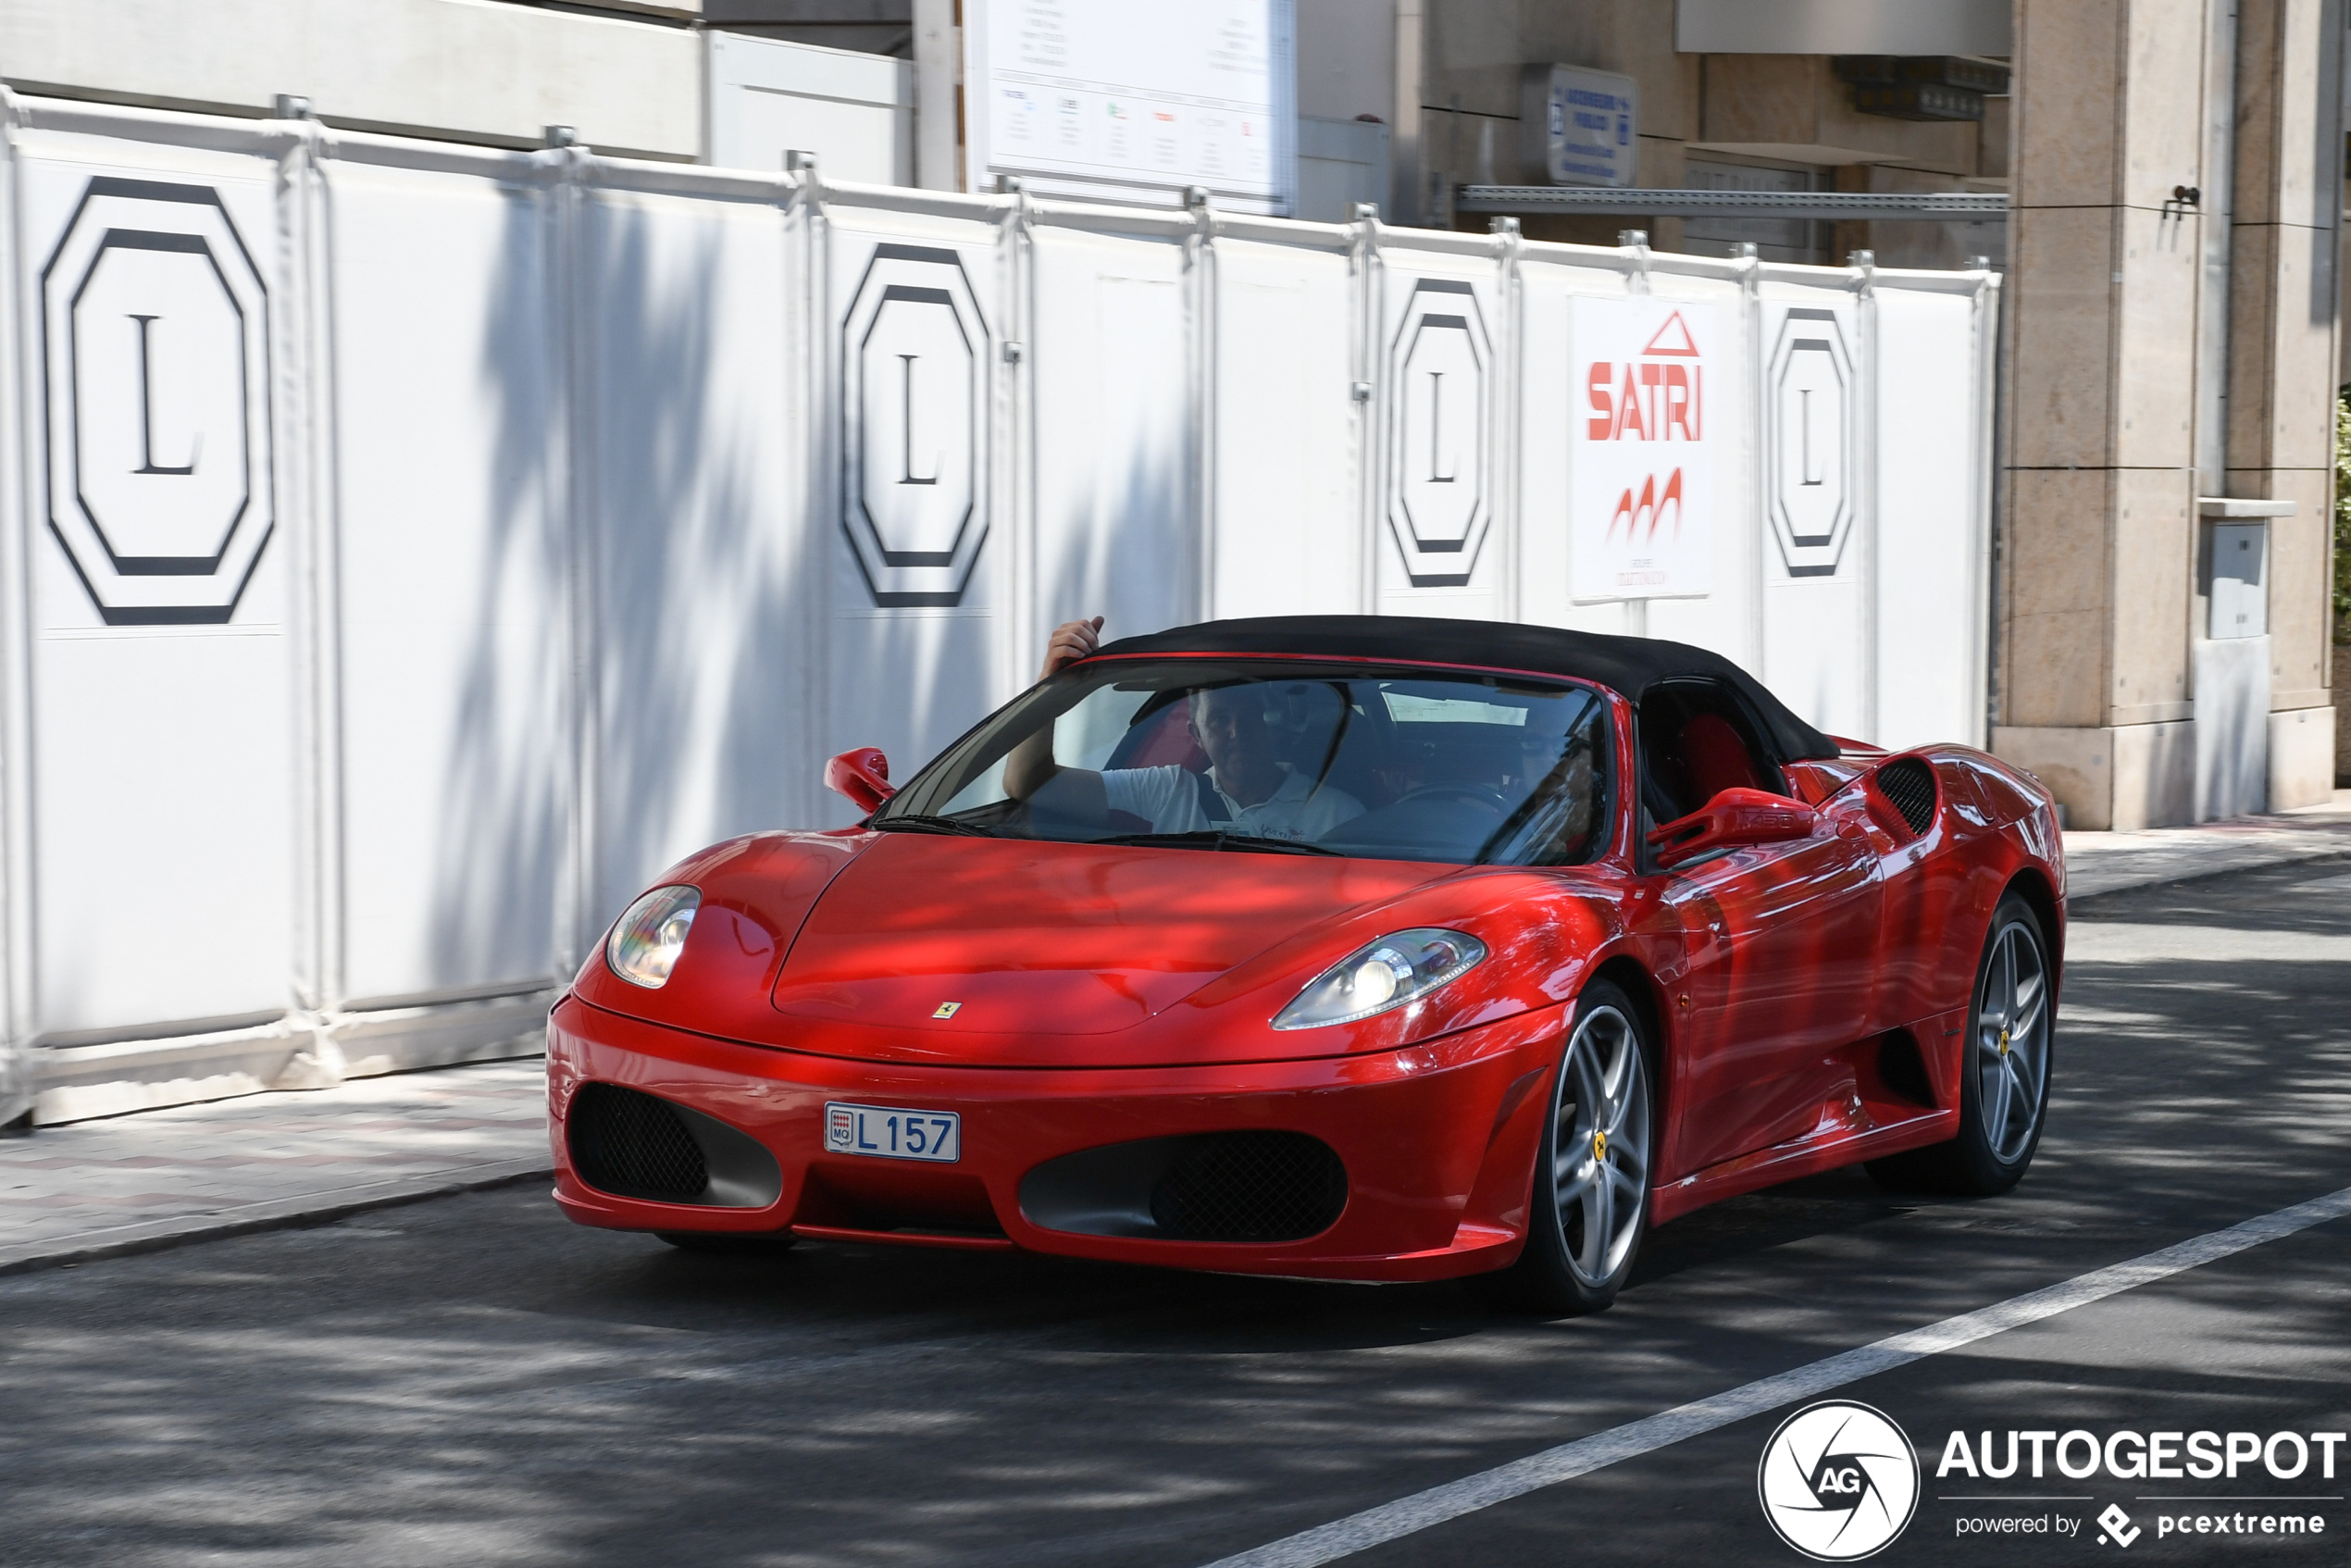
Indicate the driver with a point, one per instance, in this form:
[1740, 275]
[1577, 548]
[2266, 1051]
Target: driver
[1247, 790]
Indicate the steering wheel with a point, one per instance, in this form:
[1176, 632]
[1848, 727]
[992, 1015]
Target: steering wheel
[1474, 794]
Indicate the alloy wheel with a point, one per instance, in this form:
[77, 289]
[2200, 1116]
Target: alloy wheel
[1600, 1160]
[2012, 1040]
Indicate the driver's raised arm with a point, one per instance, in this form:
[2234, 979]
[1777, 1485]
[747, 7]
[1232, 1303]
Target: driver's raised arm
[1030, 766]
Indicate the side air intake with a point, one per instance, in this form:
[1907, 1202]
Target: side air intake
[1910, 784]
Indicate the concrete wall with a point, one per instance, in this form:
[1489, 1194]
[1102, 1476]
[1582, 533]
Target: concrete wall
[1786, 111]
[476, 71]
[1347, 59]
[769, 97]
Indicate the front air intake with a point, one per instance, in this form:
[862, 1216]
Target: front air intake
[1238, 1187]
[633, 1145]
[1249, 1187]
[1910, 784]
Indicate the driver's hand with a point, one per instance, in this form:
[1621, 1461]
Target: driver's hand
[1072, 641]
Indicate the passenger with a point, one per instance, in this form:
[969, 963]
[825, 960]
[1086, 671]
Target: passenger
[1250, 788]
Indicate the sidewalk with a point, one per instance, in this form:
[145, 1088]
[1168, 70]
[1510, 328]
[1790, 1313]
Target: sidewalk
[156, 1179]
[2107, 862]
[129, 1184]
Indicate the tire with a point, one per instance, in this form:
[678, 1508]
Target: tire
[731, 1243]
[2004, 1075]
[1589, 1208]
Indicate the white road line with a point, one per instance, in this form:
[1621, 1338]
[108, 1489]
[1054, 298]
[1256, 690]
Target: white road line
[2120, 941]
[1390, 1521]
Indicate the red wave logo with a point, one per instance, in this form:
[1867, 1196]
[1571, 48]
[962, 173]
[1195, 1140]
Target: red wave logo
[1642, 517]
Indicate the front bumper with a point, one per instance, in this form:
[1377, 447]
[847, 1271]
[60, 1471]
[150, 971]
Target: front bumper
[1437, 1139]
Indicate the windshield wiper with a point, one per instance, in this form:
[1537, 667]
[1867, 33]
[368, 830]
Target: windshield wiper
[1246, 843]
[916, 822]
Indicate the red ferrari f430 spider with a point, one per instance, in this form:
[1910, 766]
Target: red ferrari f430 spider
[1360, 948]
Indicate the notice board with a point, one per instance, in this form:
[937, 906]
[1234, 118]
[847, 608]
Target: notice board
[1107, 100]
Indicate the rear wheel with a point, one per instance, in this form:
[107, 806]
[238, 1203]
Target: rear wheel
[737, 1243]
[1590, 1207]
[2004, 1079]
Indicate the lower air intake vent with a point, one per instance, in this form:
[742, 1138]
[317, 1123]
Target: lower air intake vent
[633, 1145]
[1249, 1187]
[1255, 1185]
[1910, 784]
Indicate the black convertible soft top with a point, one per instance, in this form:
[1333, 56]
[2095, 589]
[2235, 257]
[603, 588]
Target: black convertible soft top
[1629, 665]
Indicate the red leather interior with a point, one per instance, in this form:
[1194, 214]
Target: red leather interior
[1717, 759]
[1169, 739]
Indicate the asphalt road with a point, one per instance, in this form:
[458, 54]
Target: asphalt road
[475, 1381]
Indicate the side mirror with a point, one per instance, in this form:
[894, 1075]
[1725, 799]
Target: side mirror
[1736, 819]
[863, 776]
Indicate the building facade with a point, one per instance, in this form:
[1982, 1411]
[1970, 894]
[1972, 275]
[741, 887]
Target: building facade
[2172, 172]
[2172, 247]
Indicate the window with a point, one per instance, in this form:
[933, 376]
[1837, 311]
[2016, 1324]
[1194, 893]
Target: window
[1343, 759]
[1697, 741]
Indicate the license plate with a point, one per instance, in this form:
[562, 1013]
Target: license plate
[892, 1132]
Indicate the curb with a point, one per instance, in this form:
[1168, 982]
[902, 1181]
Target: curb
[278, 1213]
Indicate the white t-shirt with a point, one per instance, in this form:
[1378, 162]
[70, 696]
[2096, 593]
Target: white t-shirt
[1168, 797]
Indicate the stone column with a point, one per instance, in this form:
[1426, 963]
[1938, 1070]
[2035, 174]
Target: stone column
[2098, 537]
[2099, 596]
[2282, 353]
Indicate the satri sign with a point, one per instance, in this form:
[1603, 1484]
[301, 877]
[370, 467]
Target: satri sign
[1641, 474]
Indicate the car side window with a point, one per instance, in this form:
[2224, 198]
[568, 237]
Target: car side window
[1697, 741]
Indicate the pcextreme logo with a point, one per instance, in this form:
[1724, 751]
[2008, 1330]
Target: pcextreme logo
[1838, 1481]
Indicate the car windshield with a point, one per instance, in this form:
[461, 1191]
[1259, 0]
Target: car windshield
[1282, 756]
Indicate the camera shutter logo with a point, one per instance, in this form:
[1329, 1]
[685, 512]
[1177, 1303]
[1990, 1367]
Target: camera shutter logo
[156, 392]
[1838, 1481]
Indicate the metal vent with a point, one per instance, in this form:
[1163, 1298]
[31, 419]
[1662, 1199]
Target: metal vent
[1910, 784]
[1249, 1187]
[633, 1145]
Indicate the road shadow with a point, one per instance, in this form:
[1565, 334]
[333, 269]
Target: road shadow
[478, 1380]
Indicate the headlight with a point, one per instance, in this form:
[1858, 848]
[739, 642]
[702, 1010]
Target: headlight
[644, 945]
[1388, 973]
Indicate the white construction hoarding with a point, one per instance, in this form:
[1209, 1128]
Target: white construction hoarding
[444, 541]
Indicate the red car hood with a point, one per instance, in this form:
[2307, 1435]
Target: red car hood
[922, 938]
